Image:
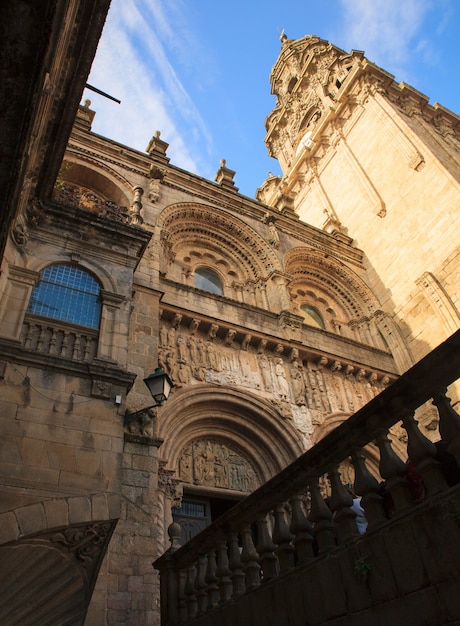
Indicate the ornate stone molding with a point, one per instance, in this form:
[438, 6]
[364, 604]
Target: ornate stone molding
[239, 241]
[442, 304]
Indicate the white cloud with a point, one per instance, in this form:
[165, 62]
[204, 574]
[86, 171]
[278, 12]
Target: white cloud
[134, 64]
[385, 29]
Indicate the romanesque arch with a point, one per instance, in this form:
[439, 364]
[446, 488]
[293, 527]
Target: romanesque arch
[200, 236]
[248, 423]
[343, 300]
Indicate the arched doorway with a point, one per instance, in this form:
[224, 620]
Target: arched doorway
[220, 444]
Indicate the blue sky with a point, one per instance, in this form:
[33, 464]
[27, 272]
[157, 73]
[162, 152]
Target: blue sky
[198, 70]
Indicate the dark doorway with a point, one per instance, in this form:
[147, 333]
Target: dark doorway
[197, 512]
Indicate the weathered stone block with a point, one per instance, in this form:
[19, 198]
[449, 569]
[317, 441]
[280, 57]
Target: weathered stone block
[61, 456]
[79, 510]
[31, 519]
[56, 512]
[9, 527]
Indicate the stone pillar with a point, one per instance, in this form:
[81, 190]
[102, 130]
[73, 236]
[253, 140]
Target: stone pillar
[133, 586]
[109, 329]
[18, 290]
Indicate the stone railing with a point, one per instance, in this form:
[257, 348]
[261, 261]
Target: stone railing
[53, 338]
[272, 539]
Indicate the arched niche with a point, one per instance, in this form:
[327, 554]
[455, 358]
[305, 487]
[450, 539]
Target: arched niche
[105, 184]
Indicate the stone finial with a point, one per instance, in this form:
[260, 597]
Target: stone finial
[85, 116]
[224, 176]
[174, 533]
[157, 148]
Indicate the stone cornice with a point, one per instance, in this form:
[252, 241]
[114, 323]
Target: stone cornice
[85, 229]
[371, 358]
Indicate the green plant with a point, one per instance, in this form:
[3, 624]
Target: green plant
[60, 180]
[362, 567]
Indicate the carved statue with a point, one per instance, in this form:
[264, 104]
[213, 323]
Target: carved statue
[264, 365]
[283, 386]
[181, 347]
[298, 388]
[213, 357]
[191, 343]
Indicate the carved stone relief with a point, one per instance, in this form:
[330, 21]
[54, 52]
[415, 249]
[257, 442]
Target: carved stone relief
[303, 390]
[214, 464]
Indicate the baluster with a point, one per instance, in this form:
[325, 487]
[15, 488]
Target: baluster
[341, 502]
[41, 339]
[249, 557]
[65, 344]
[368, 487]
[423, 453]
[285, 550]
[449, 423]
[76, 347]
[200, 585]
[321, 518]
[52, 344]
[190, 592]
[182, 598]
[302, 530]
[212, 587]
[29, 335]
[170, 578]
[393, 470]
[87, 354]
[265, 547]
[236, 566]
[223, 572]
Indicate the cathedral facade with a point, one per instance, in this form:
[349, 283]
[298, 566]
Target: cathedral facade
[276, 318]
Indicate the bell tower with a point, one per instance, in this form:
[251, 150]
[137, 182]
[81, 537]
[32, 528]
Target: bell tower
[371, 160]
[306, 78]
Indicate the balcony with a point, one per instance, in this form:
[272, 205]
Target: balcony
[286, 557]
[53, 338]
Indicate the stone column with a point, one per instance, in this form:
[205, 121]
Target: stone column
[109, 330]
[133, 585]
[18, 290]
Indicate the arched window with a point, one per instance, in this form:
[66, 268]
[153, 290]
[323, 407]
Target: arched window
[208, 281]
[311, 316]
[69, 294]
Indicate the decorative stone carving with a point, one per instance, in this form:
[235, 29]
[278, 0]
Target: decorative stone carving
[156, 176]
[215, 464]
[19, 234]
[101, 389]
[282, 384]
[321, 387]
[84, 542]
[136, 206]
[142, 423]
[81, 198]
[169, 485]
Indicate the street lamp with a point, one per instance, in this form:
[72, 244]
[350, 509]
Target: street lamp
[159, 384]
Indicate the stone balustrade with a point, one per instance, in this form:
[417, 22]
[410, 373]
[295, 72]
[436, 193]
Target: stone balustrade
[57, 339]
[285, 527]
